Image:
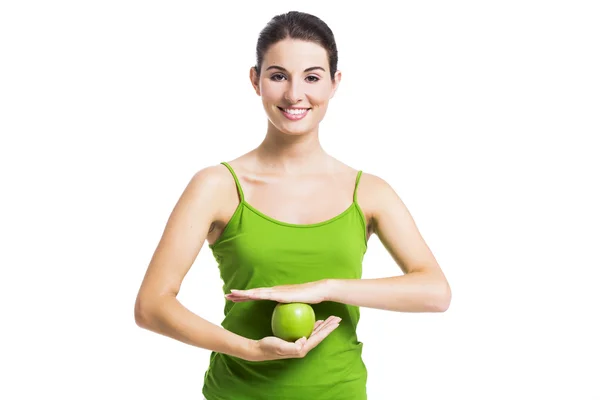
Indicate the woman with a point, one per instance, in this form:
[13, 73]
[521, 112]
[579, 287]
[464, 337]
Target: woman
[287, 222]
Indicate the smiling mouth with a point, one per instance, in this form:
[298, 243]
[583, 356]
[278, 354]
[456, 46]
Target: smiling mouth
[294, 114]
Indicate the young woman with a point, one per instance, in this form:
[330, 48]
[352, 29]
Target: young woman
[287, 222]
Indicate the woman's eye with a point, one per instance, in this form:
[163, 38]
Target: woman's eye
[277, 77]
[281, 77]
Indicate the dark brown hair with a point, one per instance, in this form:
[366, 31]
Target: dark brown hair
[297, 25]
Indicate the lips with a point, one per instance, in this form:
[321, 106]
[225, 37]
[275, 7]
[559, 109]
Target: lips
[294, 114]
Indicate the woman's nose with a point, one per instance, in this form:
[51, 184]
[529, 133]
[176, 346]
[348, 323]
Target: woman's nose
[293, 94]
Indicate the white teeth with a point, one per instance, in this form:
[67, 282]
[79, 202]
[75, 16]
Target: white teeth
[296, 111]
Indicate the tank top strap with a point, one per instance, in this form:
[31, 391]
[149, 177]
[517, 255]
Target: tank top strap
[235, 178]
[356, 184]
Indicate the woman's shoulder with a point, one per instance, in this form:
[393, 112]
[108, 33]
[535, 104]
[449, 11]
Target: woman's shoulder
[212, 181]
[374, 194]
[369, 181]
[212, 176]
[373, 182]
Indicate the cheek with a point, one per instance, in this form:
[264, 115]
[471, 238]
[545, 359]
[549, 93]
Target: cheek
[319, 97]
[270, 92]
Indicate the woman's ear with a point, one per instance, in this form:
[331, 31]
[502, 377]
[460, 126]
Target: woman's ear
[337, 78]
[254, 80]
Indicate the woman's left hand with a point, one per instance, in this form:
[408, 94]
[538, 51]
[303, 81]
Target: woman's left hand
[310, 293]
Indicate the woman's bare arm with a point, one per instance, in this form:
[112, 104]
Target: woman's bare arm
[157, 308]
[422, 288]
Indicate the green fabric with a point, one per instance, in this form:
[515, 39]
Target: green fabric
[256, 250]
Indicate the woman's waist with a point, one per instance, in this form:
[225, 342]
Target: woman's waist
[328, 363]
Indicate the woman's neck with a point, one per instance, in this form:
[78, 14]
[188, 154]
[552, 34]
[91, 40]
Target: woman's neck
[292, 154]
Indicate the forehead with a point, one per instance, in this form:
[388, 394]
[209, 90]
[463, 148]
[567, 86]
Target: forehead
[293, 54]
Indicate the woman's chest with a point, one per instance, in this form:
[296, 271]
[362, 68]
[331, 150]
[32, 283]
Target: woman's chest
[265, 251]
[300, 201]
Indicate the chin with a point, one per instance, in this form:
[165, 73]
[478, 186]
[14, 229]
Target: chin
[294, 131]
[292, 128]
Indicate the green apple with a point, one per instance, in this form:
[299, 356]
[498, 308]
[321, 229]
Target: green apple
[291, 321]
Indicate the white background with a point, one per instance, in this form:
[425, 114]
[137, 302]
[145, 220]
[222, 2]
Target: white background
[483, 116]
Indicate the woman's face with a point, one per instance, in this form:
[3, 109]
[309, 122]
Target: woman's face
[295, 85]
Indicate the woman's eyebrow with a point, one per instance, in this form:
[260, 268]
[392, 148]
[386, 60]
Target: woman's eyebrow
[284, 70]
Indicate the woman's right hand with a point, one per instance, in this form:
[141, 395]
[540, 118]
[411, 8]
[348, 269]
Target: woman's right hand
[274, 348]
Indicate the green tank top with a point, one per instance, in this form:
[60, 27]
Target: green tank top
[255, 250]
